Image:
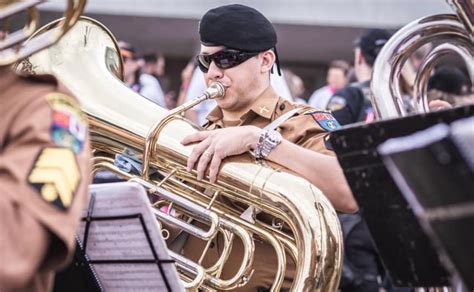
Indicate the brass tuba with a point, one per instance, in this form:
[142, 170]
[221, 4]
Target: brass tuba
[87, 61]
[453, 34]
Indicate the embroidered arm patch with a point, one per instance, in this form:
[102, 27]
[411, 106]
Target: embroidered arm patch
[325, 120]
[55, 175]
[69, 124]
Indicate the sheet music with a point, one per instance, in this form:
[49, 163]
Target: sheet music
[125, 239]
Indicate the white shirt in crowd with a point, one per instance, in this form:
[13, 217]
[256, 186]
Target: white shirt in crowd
[320, 98]
[151, 89]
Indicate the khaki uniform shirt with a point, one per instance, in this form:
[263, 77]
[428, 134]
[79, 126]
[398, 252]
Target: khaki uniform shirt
[44, 173]
[309, 129]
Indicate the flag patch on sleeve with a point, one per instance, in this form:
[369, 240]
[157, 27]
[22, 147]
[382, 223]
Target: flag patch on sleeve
[69, 125]
[325, 120]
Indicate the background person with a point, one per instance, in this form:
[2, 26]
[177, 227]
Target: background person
[149, 85]
[336, 78]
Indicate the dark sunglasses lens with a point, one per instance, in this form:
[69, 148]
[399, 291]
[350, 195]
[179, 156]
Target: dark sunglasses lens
[203, 62]
[226, 59]
[223, 59]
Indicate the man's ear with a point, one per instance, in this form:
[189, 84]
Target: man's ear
[359, 58]
[268, 59]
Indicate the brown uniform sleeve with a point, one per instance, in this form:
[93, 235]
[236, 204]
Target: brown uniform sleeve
[20, 259]
[44, 174]
[304, 130]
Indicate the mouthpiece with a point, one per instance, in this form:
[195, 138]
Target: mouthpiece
[215, 90]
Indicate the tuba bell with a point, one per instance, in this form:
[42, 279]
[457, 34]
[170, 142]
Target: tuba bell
[303, 224]
[454, 34]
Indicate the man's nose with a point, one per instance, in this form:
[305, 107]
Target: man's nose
[214, 72]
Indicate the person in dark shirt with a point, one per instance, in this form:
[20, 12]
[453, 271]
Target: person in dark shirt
[352, 103]
[362, 269]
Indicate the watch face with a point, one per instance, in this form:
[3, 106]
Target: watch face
[275, 137]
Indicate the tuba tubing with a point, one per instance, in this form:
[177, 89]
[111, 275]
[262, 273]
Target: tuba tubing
[11, 47]
[385, 86]
[453, 34]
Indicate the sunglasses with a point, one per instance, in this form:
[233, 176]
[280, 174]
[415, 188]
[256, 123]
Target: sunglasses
[223, 59]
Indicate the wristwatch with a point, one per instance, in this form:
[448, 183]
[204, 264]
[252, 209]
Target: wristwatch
[268, 140]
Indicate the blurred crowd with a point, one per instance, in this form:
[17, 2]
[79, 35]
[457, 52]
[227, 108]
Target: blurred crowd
[146, 74]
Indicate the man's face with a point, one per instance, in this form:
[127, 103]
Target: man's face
[358, 59]
[160, 66]
[336, 78]
[239, 81]
[130, 66]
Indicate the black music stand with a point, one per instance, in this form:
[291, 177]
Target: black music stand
[78, 276]
[434, 169]
[406, 251]
[120, 241]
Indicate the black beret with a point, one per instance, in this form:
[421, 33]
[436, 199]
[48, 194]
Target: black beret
[449, 79]
[237, 27]
[371, 43]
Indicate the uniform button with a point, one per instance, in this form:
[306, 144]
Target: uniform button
[282, 106]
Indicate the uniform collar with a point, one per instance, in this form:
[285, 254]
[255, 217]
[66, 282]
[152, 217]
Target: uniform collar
[266, 103]
[215, 115]
[263, 106]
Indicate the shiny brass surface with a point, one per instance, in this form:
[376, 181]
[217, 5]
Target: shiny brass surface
[11, 48]
[86, 60]
[452, 35]
[464, 9]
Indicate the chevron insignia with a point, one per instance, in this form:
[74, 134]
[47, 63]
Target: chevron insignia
[56, 176]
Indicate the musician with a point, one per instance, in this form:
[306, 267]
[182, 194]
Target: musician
[238, 49]
[352, 104]
[44, 173]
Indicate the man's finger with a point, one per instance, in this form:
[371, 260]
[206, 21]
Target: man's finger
[196, 137]
[214, 168]
[206, 156]
[196, 153]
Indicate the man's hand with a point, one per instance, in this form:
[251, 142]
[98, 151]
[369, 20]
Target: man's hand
[438, 104]
[216, 145]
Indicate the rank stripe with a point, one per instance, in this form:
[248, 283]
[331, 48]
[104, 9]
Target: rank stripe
[50, 178]
[62, 159]
[56, 175]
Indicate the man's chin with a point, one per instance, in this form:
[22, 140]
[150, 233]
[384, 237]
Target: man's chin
[223, 103]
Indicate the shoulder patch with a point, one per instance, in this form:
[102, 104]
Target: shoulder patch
[325, 120]
[69, 124]
[336, 103]
[55, 175]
